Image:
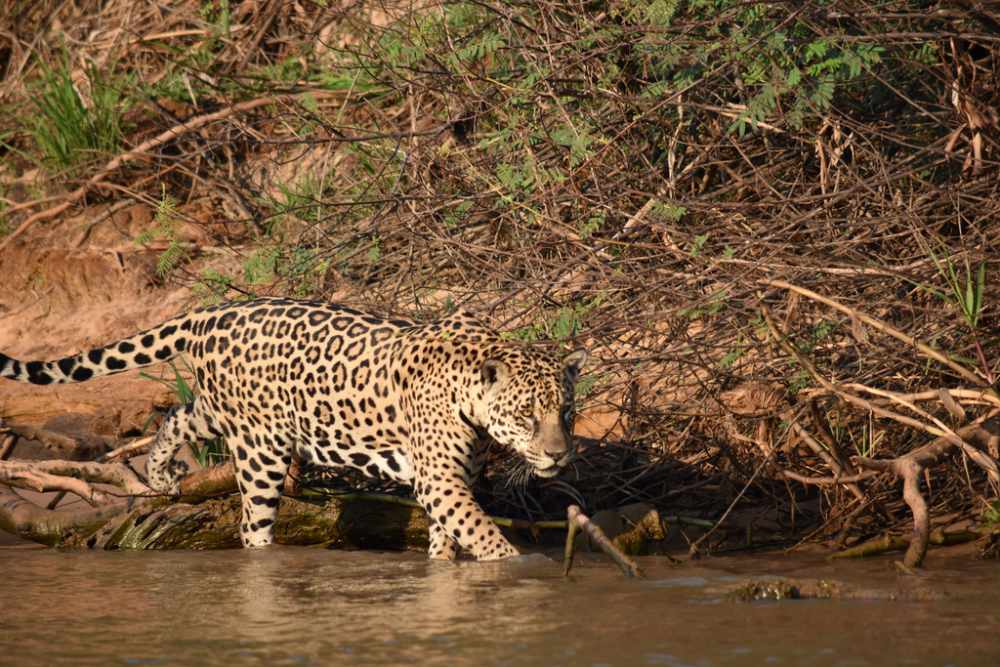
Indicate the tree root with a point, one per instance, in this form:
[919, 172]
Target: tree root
[888, 543]
[910, 466]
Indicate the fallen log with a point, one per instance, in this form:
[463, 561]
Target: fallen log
[887, 543]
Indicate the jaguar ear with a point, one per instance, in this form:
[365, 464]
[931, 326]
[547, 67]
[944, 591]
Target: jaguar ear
[494, 371]
[574, 362]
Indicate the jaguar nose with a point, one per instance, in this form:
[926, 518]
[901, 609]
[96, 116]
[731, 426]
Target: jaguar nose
[555, 453]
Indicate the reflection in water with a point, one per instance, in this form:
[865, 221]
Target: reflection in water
[302, 606]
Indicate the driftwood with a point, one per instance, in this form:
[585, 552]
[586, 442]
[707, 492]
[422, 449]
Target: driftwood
[44, 526]
[578, 521]
[71, 476]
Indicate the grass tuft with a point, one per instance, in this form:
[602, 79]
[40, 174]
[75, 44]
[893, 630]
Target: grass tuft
[67, 132]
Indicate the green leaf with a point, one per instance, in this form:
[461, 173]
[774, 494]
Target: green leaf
[980, 285]
[794, 77]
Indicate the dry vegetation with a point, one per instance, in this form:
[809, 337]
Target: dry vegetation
[774, 224]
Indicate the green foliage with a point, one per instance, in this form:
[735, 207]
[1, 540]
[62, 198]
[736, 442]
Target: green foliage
[656, 13]
[784, 70]
[592, 224]
[375, 251]
[585, 385]
[733, 355]
[515, 182]
[287, 70]
[578, 139]
[711, 306]
[458, 214]
[805, 74]
[801, 380]
[218, 15]
[560, 326]
[669, 213]
[302, 199]
[261, 267]
[965, 289]
[699, 242]
[212, 287]
[66, 131]
[165, 226]
[299, 267]
[991, 515]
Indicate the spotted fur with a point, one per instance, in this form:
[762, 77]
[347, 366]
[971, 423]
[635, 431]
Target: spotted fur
[334, 386]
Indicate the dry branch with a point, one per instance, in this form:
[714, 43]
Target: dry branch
[72, 477]
[578, 521]
[910, 466]
[134, 448]
[138, 152]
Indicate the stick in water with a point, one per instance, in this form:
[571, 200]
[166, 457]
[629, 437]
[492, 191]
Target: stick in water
[578, 521]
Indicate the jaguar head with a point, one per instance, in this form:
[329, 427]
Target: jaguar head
[527, 405]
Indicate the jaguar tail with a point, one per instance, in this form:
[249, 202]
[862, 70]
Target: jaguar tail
[143, 349]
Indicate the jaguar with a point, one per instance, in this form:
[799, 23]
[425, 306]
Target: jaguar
[334, 386]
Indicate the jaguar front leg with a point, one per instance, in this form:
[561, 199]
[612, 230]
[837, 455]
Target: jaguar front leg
[456, 515]
[442, 547]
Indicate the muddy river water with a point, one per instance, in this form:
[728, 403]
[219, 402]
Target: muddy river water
[299, 606]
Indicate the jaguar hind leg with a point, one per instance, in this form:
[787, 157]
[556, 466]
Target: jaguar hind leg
[184, 424]
[260, 474]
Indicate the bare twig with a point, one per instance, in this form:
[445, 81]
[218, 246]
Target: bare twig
[925, 349]
[71, 476]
